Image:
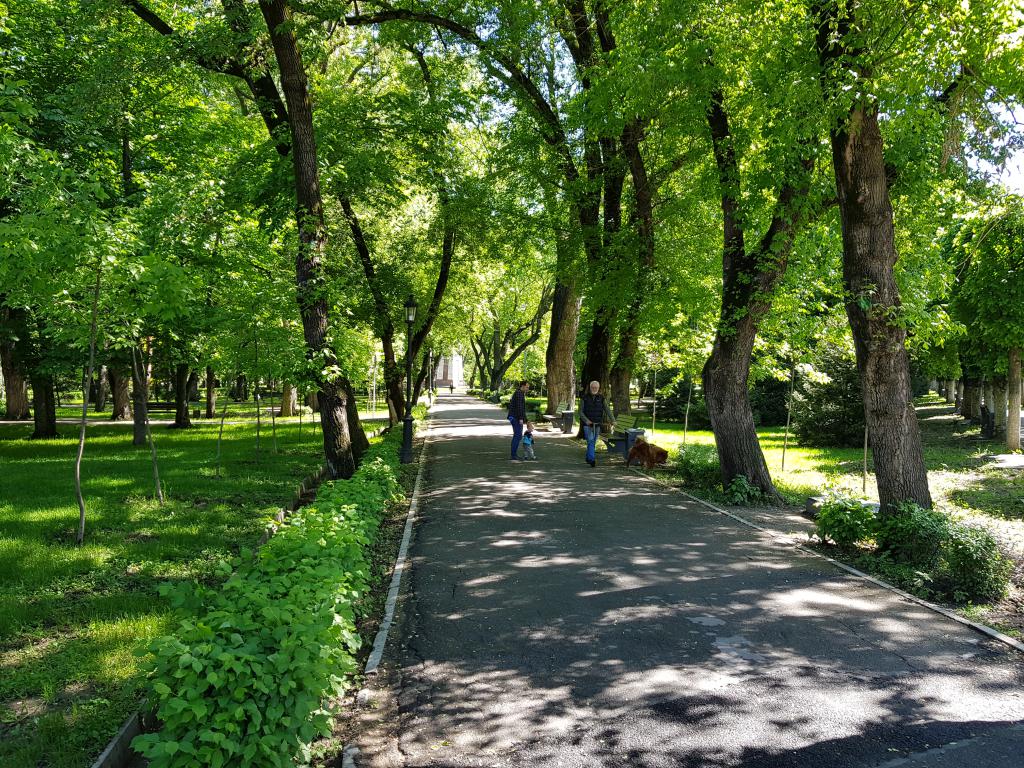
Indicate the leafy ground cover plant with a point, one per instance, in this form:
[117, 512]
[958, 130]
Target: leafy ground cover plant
[845, 520]
[244, 679]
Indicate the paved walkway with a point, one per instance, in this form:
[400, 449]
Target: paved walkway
[564, 616]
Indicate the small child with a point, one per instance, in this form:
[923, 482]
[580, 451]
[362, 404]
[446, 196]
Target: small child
[528, 444]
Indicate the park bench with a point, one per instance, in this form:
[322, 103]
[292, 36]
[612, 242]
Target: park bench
[564, 413]
[623, 435]
[161, 407]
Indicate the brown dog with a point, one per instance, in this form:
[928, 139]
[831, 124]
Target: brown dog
[647, 454]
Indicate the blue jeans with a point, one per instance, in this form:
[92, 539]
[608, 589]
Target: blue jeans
[591, 431]
[517, 434]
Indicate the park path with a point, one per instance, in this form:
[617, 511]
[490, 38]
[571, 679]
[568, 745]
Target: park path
[559, 615]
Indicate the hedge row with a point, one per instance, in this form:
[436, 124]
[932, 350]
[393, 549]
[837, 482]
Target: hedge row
[244, 680]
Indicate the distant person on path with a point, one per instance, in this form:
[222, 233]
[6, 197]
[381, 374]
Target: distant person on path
[451, 389]
[517, 416]
[594, 410]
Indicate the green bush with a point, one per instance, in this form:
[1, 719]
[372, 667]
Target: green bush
[243, 681]
[743, 493]
[830, 413]
[846, 521]
[913, 535]
[973, 568]
[698, 468]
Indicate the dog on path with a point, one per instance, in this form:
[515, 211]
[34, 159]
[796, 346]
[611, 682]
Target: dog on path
[646, 453]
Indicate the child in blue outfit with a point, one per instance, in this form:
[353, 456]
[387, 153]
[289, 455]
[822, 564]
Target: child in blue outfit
[528, 444]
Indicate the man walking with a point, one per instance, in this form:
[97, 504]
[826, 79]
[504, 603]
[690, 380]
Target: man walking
[517, 416]
[594, 410]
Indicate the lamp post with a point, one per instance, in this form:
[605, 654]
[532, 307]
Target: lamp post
[410, 318]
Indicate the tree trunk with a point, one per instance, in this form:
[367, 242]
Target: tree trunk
[360, 443]
[44, 407]
[100, 388]
[1013, 401]
[999, 403]
[309, 272]
[289, 399]
[873, 306]
[971, 404]
[192, 387]
[16, 404]
[211, 393]
[140, 410]
[182, 418]
[565, 320]
[119, 391]
[951, 391]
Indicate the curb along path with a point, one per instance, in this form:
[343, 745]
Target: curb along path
[563, 616]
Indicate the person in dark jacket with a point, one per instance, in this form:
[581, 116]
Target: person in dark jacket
[517, 416]
[594, 410]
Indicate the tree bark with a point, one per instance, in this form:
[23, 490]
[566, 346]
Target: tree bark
[873, 303]
[999, 400]
[182, 418]
[289, 400]
[119, 391]
[101, 390]
[360, 443]
[971, 403]
[1013, 401]
[211, 393]
[44, 407]
[309, 272]
[140, 398]
[16, 405]
[951, 391]
[565, 320]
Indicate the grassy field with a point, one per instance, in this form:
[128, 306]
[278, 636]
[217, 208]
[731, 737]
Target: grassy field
[71, 618]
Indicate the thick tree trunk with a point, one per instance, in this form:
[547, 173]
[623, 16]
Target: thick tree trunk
[565, 320]
[289, 400]
[182, 418]
[140, 411]
[309, 215]
[394, 379]
[119, 391]
[951, 391]
[999, 403]
[44, 407]
[1013, 401]
[16, 404]
[211, 393]
[873, 307]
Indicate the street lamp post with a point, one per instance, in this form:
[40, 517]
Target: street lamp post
[410, 318]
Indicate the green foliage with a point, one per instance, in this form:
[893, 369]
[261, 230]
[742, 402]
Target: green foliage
[845, 520]
[698, 468]
[973, 569]
[244, 681]
[913, 535]
[742, 492]
[828, 406]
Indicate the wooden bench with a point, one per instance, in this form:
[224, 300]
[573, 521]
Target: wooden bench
[564, 415]
[622, 437]
[161, 407]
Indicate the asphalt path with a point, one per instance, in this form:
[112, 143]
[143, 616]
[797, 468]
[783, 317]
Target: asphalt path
[559, 615]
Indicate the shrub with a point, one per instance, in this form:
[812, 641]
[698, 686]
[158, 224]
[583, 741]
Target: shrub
[844, 520]
[243, 681]
[742, 492]
[973, 568]
[913, 535]
[672, 404]
[830, 412]
[698, 468]
[768, 398]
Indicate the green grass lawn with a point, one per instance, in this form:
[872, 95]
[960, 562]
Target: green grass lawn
[71, 618]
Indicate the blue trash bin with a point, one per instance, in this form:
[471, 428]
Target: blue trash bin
[631, 436]
[568, 418]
